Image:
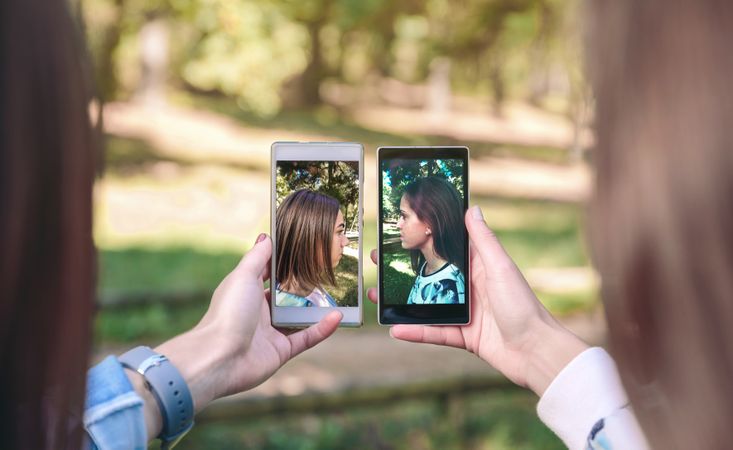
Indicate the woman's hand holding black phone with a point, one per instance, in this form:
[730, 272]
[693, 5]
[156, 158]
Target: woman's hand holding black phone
[510, 329]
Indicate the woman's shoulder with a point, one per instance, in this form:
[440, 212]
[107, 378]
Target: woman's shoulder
[447, 272]
[320, 297]
[283, 298]
[454, 271]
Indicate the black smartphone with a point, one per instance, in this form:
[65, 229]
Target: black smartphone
[423, 241]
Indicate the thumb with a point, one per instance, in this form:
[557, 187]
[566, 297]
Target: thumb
[315, 334]
[485, 241]
[257, 261]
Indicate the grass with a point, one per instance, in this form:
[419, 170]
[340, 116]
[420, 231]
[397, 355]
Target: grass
[397, 283]
[150, 323]
[171, 288]
[568, 302]
[535, 234]
[495, 420]
[126, 156]
[158, 272]
[346, 291]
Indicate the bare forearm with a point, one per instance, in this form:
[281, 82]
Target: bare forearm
[555, 348]
[198, 366]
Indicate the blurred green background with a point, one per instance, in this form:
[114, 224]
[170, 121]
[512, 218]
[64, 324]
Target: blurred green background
[193, 92]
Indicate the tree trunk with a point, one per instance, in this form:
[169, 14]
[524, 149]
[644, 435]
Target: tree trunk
[439, 88]
[153, 62]
[106, 74]
[498, 89]
[310, 79]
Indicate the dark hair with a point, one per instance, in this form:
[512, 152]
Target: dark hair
[304, 235]
[663, 210]
[438, 204]
[47, 258]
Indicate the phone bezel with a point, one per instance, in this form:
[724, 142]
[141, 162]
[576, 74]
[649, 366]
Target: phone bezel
[388, 314]
[294, 316]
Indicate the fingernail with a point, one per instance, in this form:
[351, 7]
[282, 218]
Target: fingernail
[476, 213]
[260, 238]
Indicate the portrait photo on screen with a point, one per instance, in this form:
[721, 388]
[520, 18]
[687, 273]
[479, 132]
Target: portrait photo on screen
[423, 233]
[317, 234]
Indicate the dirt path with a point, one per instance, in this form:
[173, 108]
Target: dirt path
[206, 137]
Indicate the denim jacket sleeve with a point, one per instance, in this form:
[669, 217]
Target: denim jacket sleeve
[113, 415]
[587, 407]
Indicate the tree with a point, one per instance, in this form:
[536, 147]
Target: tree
[339, 179]
[401, 173]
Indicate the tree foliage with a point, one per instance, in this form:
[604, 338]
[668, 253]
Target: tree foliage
[339, 179]
[400, 173]
[272, 53]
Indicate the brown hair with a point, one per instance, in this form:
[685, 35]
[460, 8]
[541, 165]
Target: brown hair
[304, 235]
[663, 212]
[437, 203]
[47, 257]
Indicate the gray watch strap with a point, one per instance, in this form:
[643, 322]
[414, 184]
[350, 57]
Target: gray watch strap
[169, 389]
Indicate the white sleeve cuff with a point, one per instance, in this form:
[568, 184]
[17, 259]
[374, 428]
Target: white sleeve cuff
[585, 391]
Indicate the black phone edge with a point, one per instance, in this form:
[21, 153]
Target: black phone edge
[422, 314]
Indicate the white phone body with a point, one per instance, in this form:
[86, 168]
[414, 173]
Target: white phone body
[291, 152]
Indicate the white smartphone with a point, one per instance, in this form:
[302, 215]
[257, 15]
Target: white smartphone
[316, 228]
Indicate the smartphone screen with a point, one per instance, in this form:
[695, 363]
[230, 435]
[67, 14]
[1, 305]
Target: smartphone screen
[423, 245]
[317, 230]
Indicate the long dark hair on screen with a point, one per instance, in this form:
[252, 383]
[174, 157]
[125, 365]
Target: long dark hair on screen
[47, 259]
[438, 204]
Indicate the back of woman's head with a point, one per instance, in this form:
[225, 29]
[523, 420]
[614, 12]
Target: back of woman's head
[438, 204]
[304, 229]
[663, 215]
[46, 250]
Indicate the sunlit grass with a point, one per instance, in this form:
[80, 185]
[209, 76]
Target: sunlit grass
[397, 282]
[346, 291]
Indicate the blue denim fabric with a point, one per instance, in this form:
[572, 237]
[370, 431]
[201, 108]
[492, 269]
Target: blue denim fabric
[113, 415]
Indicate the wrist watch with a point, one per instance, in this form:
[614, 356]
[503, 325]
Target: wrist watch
[169, 389]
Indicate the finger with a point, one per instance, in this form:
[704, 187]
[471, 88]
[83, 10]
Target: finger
[314, 334]
[373, 255]
[266, 274]
[257, 260]
[485, 241]
[450, 336]
[268, 295]
[372, 294]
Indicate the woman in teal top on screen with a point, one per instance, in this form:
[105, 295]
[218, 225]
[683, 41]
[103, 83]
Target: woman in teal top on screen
[310, 243]
[431, 227]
